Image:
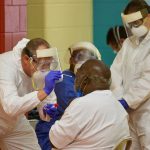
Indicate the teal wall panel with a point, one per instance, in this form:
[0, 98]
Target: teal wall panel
[106, 13]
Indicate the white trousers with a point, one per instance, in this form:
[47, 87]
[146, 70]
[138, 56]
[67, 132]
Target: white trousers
[140, 128]
[22, 137]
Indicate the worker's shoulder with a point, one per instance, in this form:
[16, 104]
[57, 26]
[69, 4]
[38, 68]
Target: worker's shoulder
[8, 61]
[5, 54]
[94, 98]
[90, 104]
[6, 57]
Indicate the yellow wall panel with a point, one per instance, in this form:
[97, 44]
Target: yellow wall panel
[61, 22]
[57, 1]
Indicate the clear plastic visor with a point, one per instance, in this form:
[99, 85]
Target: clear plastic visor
[44, 60]
[82, 55]
[134, 20]
[47, 59]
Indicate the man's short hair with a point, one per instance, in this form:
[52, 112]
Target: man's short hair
[33, 45]
[136, 5]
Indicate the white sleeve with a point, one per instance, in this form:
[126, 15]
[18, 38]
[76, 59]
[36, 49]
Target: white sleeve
[139, 90]
[64, 131]
[116, 75]
[11, 102]
[14, 105]
[49, 99]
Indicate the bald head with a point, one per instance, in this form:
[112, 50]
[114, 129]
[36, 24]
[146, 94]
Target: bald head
[93, 75]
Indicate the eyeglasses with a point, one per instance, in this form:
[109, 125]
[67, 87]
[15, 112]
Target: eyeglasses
[136, 23]
[49, 63]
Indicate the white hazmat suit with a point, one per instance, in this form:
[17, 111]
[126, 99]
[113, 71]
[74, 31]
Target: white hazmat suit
[16, 98]
[95, 121]
[131, 81]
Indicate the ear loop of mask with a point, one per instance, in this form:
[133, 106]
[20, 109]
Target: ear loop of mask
[119, 38]
[84, 79]
[33, 84]
[31, 62]
[116, 31]
[30, 55]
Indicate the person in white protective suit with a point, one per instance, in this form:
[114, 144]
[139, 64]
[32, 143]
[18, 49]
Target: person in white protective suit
[131, 73]
[95, 120]
[27, 59]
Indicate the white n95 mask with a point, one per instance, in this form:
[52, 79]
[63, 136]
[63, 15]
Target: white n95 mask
[139, 31]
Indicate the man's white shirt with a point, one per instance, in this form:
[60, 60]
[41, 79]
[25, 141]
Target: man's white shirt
[95, 121]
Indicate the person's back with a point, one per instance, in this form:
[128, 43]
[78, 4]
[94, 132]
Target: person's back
[94, 121]
[100, 117]
[65, 91]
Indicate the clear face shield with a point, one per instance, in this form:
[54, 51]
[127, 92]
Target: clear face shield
[81, 56]
[45, 61]
[134, 24]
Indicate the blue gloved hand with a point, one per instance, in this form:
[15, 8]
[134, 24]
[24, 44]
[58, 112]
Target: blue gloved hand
[124, 103]
[50, 109]
[50, 79]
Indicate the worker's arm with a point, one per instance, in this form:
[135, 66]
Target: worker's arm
[13, 104]
[139, 90]
[116, 74]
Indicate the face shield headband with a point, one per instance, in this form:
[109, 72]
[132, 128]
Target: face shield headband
[135, 16]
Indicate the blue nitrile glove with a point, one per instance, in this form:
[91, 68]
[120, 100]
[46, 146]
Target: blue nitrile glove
[50, 79]
[50, 109]
[124, 103]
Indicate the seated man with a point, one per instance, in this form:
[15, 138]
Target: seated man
[94, 121]
[79, 53]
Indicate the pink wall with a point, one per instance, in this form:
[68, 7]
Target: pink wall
[15, 22]
[2, 38]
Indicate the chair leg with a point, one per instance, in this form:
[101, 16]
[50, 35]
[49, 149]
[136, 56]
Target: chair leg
[128, 145]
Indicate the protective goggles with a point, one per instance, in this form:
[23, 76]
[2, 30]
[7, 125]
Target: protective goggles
[135, 19]
[46, 59]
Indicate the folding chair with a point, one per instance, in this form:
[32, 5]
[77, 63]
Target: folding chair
[124, 145]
